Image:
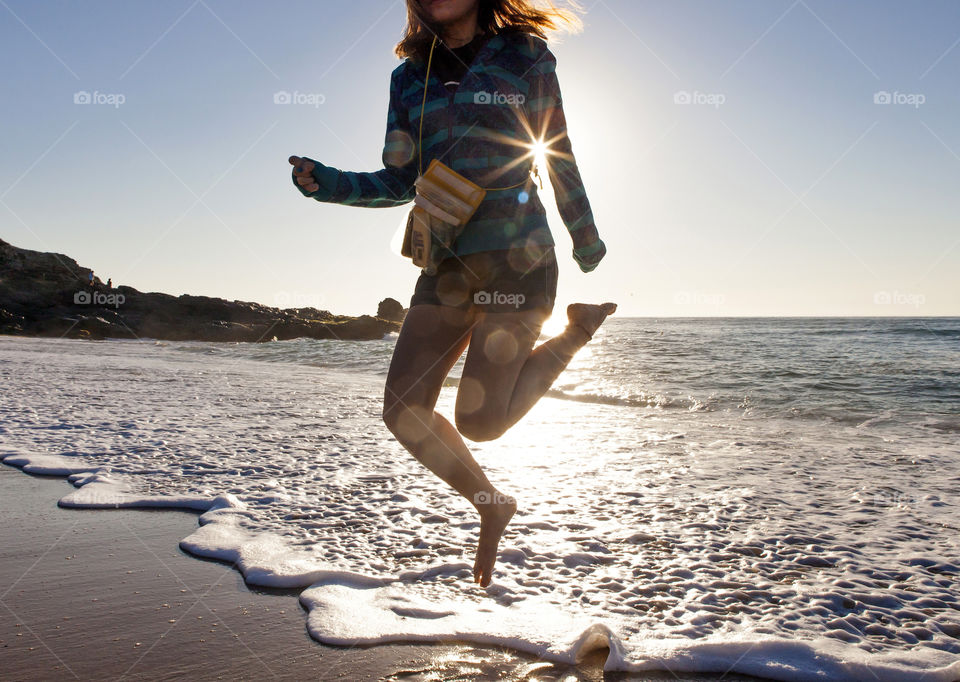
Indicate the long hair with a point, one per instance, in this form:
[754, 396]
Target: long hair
[494, 16]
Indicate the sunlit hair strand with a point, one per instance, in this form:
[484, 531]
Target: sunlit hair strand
[534, 17]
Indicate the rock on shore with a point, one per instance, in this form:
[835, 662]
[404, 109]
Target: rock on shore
[49, 294]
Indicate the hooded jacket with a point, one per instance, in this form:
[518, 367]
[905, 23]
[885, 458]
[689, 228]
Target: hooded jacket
[508, 98]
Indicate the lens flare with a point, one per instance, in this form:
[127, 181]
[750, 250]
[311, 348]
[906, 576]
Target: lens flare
[536, 147]
[539, 150]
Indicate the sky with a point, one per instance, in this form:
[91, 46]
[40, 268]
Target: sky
[762, 157]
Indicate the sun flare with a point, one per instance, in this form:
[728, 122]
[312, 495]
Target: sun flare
[554, 325]
[539, 152]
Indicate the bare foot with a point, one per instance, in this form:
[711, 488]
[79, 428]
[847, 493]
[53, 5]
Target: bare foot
[589, 316]
[494, 517]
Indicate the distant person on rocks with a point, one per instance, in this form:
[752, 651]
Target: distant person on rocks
[109, 283]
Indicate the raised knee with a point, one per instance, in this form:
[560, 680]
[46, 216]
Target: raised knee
[477, 428]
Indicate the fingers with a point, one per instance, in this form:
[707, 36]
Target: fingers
[308, 183]
[303, 171]
[301, 166]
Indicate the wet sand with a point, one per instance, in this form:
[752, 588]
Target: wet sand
[108, 594]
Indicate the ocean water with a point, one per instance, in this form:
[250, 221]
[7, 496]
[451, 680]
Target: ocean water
[769, 497]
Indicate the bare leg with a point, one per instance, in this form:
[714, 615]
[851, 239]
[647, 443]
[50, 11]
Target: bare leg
[503, 378]
[550, 358]
[504, 375]
[431, 340]
[495, 514]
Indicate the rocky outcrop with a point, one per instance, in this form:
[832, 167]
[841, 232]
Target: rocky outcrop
[49, 294]
[391, 309]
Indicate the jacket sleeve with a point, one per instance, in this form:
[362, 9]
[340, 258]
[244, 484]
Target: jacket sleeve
[545, 110]
[391, 186]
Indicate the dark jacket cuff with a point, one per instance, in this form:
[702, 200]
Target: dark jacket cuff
[588, 257]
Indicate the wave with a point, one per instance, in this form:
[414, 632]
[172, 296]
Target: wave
[940, 326]
[347, 608]
[942, 425]
[638, 401]
[653, 401]
[345, 614]
[367, 356]
[690, 370]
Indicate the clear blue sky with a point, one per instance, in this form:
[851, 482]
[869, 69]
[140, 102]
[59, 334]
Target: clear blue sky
[783, 188]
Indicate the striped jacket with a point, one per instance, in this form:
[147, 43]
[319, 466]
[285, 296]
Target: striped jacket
[509, 96]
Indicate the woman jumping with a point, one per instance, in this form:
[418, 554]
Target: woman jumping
[490, 98]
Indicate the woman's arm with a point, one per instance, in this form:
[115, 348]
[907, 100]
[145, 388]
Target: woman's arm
[545, 108]
[391, 186]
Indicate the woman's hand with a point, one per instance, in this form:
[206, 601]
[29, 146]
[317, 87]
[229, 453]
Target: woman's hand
[303, 172]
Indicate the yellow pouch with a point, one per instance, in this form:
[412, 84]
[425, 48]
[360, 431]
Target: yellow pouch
[445, 201]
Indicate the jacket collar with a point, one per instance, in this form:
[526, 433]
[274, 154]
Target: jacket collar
[497, 43]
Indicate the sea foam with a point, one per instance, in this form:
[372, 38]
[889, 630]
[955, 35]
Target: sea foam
[697, 542]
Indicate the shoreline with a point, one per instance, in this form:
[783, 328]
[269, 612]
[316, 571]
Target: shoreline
[117, 583]
[80, 579]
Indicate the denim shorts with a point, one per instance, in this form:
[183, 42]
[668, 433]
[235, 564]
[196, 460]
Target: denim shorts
[492, 281]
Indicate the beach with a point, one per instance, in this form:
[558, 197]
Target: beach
[703, 259]
[761, 514]
[107, 595]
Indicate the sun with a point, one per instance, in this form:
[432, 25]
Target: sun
[539, 152]
[554, 325]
